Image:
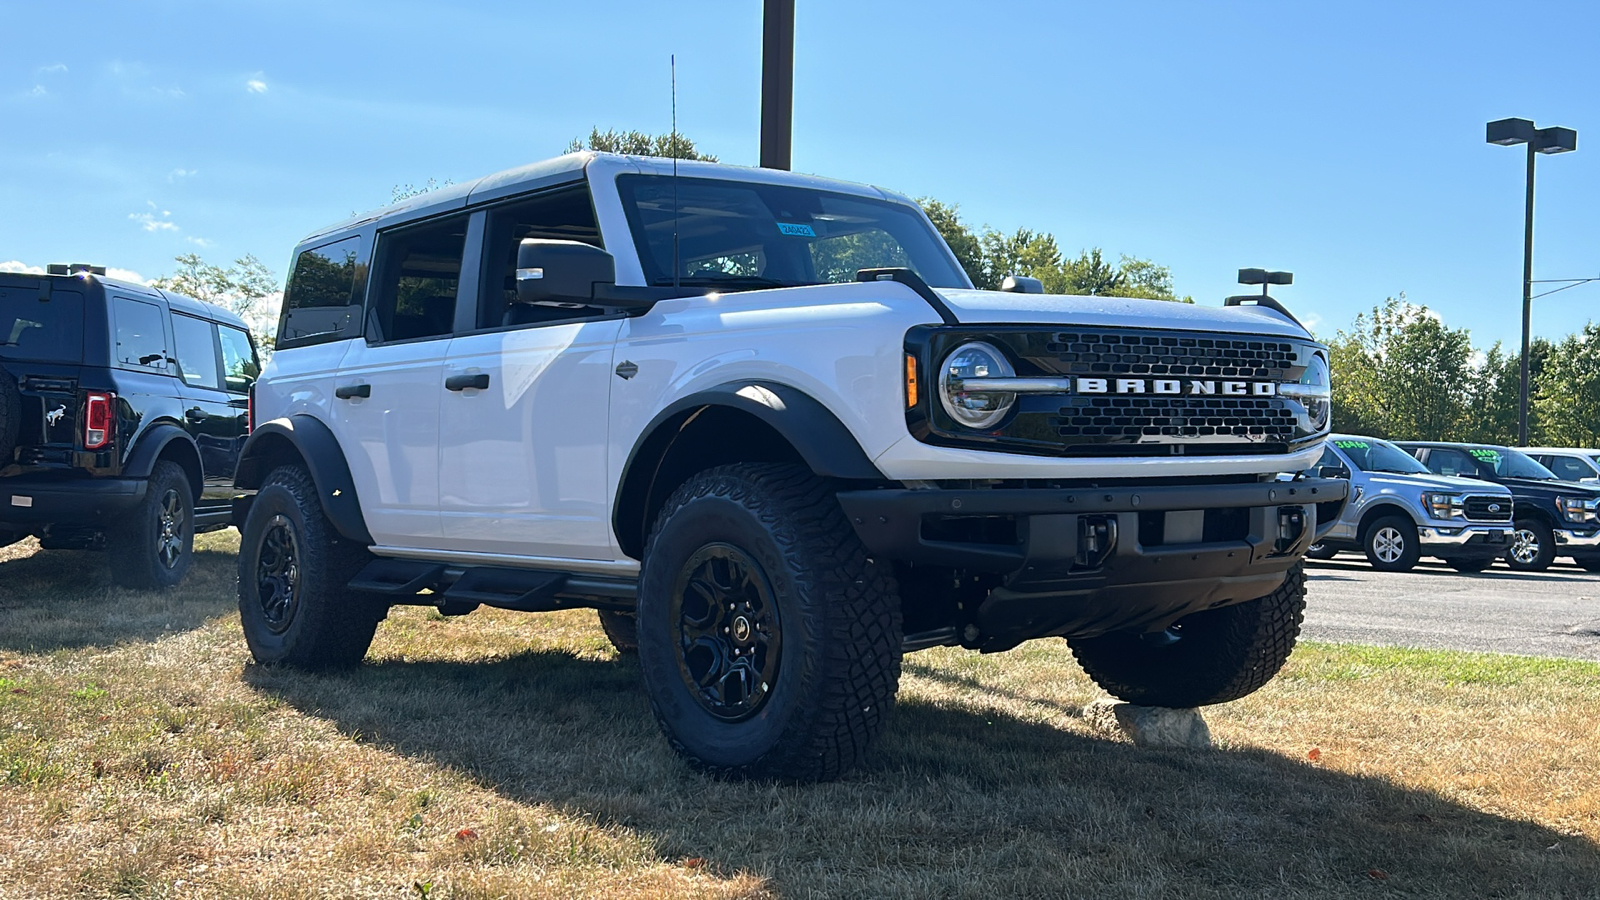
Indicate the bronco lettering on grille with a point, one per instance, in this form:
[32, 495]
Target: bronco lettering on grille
[1176, 386]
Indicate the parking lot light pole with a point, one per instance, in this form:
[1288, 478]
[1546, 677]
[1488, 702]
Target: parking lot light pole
[1264, 278]
[1507, 133]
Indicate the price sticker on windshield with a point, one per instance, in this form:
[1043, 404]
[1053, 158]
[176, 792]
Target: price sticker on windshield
[795, 229]
[1352, 445]
[1486, 455]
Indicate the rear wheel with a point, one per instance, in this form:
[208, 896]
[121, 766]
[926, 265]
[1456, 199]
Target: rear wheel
[1321, 551]
[153, 547]
[1208, 657]
[1533, 546]
[294, 571]
[769, 642]
[1470, 565]
[1391, 544]
[622, 629]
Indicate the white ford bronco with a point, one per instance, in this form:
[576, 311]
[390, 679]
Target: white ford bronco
[763, 424]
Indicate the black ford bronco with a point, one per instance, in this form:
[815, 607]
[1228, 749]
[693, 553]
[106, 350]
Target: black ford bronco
[122, 411]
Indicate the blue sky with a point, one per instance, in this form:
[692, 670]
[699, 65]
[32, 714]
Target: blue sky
[1343, 141]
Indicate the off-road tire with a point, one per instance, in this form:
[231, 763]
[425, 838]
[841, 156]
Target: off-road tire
[1470, 566]
[1208, 657]
[152, 548]
[1392, 544]
[320, 623]
[1543, 555]
[837, 622]
[622, 630]
[1321, 551]
[10, 416]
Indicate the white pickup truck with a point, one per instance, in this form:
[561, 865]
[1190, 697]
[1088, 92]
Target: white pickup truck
[764, 424]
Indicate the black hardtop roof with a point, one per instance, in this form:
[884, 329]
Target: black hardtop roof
[178, 302]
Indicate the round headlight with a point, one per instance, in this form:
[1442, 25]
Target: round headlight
[969, 404]
[1318, 403]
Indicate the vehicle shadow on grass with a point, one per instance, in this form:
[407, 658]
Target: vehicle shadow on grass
[65, 599]
[951, 802]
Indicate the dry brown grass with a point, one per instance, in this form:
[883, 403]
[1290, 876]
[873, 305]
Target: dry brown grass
[142, 755]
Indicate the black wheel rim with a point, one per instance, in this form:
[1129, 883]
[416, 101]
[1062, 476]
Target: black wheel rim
[278, 573]
[727, 631]
[170, 524]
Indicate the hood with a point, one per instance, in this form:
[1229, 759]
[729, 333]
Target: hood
[1552, 488]
[1449, 483]
[1004, 308]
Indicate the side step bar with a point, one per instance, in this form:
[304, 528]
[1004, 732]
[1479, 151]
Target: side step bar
[457, 590]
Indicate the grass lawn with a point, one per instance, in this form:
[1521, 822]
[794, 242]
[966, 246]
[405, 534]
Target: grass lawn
[508, 755]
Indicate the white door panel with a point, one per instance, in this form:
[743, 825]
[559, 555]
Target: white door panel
[391, 437]
[522, 464]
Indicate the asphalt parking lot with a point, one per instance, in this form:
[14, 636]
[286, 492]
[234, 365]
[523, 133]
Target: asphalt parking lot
[1550, 613]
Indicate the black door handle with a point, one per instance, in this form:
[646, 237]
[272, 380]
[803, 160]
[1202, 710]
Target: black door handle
[195, 414]
[462, 382]
[352, 391]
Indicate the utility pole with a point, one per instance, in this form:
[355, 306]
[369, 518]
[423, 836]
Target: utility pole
[777, 83]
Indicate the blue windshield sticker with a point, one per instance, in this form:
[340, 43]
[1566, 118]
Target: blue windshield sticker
[796, 230]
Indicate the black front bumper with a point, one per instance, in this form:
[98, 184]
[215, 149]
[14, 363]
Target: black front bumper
[30, 502]
[1084, 561]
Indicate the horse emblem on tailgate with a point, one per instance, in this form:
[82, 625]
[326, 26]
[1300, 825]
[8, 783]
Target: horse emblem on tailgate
[53, 417]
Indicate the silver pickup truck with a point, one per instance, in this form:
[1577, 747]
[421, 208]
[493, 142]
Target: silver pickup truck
[1399, 511]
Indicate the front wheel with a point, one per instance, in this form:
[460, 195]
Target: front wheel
[1391, 544]
[1533, 546]
[153, 547]
[1321, 551]
[769, 642]
[1207, 657]
[1470, 565]
[294, 571]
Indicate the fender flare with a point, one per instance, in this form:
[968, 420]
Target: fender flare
[1380, 509]
[826, 446]
[316, 444]
[148, 447]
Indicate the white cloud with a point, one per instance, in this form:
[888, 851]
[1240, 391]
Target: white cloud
[1310, 321]
[38, 90]
[152, 221]
[200, 241]
[256, 85]
[20, 268]
[57, 69]
[176, 174]
[125, 275]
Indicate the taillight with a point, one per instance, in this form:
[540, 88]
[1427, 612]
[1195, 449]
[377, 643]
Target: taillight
[98, 425]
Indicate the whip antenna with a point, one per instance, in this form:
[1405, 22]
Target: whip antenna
[674, 151]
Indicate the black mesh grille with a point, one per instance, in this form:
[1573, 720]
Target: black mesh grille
[1260, 419]
[1111, 353]
[1477, 509]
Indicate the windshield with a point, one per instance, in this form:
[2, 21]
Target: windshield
[1373, 455]
[47, 330]
[740, 234]
[1508, 463]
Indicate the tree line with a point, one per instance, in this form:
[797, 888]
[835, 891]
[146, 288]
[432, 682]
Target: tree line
[1400, 372]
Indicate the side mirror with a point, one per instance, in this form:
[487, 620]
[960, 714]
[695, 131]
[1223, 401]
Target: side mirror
[561, 273]
[1333, 472]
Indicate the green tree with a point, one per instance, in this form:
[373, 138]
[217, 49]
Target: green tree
[963, 241]
[637, 143]
[1401, 373]
[1568, 381]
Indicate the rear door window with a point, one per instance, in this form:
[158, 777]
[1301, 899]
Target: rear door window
[323, 299]
[1567, 468]
[197, 352]
[46, 330]
[141, 335]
